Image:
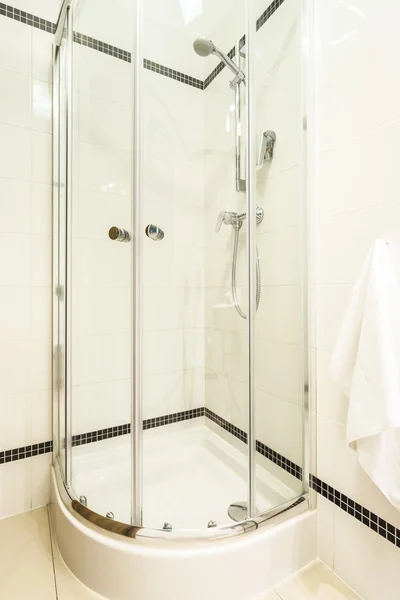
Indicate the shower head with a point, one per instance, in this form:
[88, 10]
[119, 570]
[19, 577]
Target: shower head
[204, 47]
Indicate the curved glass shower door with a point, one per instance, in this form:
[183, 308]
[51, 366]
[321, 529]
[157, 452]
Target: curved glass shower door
[180, 283]
[96, 104]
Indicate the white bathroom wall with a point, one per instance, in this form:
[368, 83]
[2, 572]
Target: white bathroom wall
[25, 263]
[278, 410]
[355, 202]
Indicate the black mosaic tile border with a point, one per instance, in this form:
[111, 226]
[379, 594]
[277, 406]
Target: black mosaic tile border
[172, 74]
[261, 448]
[279, 460]
[263, 18]
[356, 510]
[110, 432]
[86, 40]
[173, 418]
[100, 434]
[7, 456]
[27, 18]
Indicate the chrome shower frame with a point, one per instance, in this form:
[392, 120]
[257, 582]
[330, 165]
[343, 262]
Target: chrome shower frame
[62, 314]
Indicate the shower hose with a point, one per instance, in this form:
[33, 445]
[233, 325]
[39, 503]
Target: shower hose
[234, 265]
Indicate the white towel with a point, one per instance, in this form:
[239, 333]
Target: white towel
[366, 363]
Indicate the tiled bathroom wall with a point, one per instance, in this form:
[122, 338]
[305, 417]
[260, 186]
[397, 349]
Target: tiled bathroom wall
[25, 264]
[355, 201]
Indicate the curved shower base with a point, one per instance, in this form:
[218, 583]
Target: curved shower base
[243, 567]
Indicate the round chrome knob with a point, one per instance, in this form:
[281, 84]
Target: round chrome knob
[154, 232]
[119, 235]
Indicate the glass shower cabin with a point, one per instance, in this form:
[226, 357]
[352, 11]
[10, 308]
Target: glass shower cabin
[180, 250]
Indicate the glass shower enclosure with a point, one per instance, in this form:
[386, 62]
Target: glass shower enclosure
[180, 253]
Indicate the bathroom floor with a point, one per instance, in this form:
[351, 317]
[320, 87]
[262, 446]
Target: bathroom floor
[31, 568]
[196, 473]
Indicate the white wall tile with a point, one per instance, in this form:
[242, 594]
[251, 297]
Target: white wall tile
[15, 314]
[42, 55]
[41, 157]
[41, 411]
[98, 358]
[15, 206]
[278, 424]
[15, 261]
[364, 560]
[19, 60]
[15, 99]
[41, 312]
[42, 110]
[41, 248]
[100, 405]
[41, 480]
[42, 209]
[16, 424]
[278, 369]
[326, 531]
[15, 152]
[15, 487]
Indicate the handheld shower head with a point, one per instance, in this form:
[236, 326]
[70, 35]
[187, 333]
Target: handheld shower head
[204, 47]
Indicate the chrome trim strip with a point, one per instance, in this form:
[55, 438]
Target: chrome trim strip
[56, 254]
[61, 22]
[136, 378]
[251, 257]
[68, 248]
[293, 508]
[306, 12]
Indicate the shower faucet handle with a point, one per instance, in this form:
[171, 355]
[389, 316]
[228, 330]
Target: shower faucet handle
[225, 217]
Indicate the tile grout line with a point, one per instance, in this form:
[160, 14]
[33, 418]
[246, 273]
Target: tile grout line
[52, 552]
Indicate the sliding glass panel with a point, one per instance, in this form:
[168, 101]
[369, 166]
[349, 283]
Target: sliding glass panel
[279, 328]
[99, 235]
[59, 247]
[195, 393]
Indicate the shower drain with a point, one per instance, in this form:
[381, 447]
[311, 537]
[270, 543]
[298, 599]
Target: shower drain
[238, 511]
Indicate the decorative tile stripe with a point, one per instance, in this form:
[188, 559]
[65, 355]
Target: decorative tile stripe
[100, 434]
[280, 460]
[27, 18]
[261, 448]
[111, 432]
[352, 508]
[172, 74]
[238, 433]
[25, 452]
[173, 418]
[262, 19]
[86, 40]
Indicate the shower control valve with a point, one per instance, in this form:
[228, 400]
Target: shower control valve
[225, 217]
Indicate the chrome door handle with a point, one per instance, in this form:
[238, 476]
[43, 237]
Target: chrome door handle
[119, 235]
[154, 232]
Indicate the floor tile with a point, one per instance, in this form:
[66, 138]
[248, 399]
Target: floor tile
[315, 582]
[26, 566]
